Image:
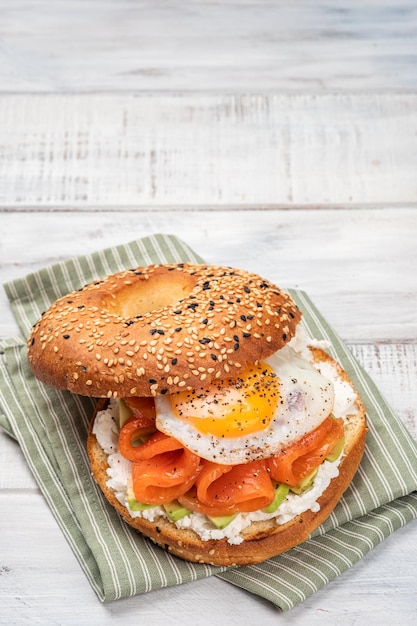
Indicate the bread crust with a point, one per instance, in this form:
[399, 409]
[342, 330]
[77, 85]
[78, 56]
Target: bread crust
[262, 539]
[159, 329]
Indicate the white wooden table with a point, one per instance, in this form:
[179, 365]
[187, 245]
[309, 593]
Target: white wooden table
[277, 137]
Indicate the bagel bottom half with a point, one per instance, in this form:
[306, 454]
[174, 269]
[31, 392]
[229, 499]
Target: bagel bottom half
[262, 539]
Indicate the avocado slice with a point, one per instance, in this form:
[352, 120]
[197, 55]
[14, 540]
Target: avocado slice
[336, 451]
[306, 484]
[176, 511]
[221, 521]
[124, 413]
[135, 505]
[281, 492]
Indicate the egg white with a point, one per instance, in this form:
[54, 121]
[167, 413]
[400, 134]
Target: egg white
[306, 399]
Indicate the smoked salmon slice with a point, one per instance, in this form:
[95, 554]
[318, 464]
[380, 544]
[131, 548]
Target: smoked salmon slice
[163, 470]
[228, 489]
[300, 458]
[132, 436]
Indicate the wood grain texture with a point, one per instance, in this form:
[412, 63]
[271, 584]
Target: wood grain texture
[358, 265]
[233, 45]
[190, 150]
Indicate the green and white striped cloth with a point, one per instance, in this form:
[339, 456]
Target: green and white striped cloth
[51, 428]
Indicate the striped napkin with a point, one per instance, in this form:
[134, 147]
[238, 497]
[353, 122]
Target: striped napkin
[51, 428]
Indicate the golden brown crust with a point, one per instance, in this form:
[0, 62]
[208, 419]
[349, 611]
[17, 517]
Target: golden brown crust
[263, 539]
[159, 329]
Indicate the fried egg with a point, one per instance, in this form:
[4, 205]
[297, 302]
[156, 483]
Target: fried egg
[252, 416]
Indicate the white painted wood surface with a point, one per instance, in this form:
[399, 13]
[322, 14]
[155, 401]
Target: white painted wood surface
[357, 264]
[280, 137]
[214, 45]
[193, 149]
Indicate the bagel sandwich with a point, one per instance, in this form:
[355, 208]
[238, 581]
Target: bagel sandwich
[222, 431]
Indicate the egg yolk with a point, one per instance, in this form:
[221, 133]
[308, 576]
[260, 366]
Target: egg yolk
[232, 407]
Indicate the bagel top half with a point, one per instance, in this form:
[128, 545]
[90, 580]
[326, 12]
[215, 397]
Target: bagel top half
[160, 329]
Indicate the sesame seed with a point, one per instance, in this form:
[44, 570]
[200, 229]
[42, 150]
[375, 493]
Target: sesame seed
[236, 299]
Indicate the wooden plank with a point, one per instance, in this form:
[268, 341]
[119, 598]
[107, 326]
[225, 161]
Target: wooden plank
[357, 265]
[393, 368]
[190, 150]
[232, 45]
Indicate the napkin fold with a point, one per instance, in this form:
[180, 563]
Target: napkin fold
[51, 427]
